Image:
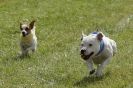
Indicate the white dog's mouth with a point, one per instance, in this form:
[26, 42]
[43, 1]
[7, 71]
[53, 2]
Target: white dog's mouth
[85, 57]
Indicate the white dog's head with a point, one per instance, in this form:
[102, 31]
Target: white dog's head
[90, 45]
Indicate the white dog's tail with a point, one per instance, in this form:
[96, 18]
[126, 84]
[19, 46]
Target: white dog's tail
[113, 43]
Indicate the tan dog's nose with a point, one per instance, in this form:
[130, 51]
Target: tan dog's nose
[23, 33]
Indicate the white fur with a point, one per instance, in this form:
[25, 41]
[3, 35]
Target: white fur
[102, 59]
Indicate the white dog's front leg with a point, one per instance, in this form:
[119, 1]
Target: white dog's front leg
[90, 66]
[100, 67]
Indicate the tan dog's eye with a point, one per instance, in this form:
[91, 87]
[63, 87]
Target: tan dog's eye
[26, 28]
[90, 44]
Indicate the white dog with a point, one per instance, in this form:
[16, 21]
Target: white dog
[98, 49]
[28, 38]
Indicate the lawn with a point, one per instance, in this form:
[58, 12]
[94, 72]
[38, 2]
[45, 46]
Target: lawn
[57, 63]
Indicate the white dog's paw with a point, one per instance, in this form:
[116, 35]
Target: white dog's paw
[98, 74]
[92, 71]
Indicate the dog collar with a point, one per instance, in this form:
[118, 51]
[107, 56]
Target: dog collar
[101, 47]
[94, 32]
[101, 44]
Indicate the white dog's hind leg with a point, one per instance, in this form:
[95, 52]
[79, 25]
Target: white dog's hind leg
[90, 66]
[100, 67]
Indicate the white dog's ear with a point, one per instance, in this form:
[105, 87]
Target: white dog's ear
[100, 36]
[97, 30]
[83, 35]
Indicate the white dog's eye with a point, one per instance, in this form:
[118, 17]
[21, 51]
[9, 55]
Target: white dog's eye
[82, 44]
[90, 44]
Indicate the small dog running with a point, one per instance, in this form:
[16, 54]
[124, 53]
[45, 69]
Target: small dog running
[98, 49]
[28, 38]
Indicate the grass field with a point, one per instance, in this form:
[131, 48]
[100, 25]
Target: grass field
[57, 63]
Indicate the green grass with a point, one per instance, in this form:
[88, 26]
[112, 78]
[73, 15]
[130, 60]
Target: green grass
[57, 63]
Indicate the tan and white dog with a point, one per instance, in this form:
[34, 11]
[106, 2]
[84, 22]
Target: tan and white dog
[98, 49]
[28, 39]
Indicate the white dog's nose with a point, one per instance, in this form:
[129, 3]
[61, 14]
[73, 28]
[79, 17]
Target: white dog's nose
[82, 51]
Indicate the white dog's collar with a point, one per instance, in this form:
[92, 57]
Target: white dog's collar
[101, 44]
[101, 47]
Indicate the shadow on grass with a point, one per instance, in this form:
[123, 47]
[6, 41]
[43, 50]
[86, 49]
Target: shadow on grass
[16, 57]
[19, 57]
[90, 79]
[10, 60]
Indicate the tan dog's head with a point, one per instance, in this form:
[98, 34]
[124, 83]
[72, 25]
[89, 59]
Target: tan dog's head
[26, 28]
[90, 45]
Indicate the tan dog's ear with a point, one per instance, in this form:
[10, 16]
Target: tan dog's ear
[20, 25]
[99, 36]
[31, 25]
